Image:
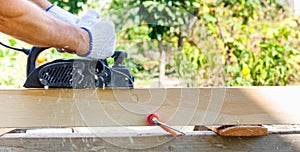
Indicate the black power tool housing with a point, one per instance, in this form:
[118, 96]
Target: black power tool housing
[77, 73]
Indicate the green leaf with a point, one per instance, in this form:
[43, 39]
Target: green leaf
[149, 3]
[210, 18]
[12, 42]
[196, 4]
[161, 7]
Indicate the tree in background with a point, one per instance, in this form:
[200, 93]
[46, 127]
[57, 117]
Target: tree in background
[231, 42]
[163, 18]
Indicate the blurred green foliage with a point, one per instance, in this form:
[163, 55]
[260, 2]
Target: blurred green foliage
[73, 6]
[231, 42]
[190, 64]
[11, 65]
[261, 47]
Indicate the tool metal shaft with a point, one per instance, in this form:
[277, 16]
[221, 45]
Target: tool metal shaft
[155, 120]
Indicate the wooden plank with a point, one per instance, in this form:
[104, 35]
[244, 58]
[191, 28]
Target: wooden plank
[128, 131]
[5, 130]
[240, 131]
[198, 141]
[175, 106]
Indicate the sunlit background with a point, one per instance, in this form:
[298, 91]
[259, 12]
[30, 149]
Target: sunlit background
[189, 43]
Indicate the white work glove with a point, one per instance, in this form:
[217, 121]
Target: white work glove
[102, 35]
[62, 14]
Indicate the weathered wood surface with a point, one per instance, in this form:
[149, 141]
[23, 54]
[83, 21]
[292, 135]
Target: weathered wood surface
[187, 106]
[199, 141]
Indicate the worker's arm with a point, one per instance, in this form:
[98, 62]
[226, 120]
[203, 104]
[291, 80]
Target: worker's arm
[27, 22]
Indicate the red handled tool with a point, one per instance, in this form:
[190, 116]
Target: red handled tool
[153, 119]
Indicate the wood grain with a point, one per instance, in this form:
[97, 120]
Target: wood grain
[207, 141]
[176, 107]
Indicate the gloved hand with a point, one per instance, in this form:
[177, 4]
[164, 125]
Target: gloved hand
[62, 14]
[102, 35]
